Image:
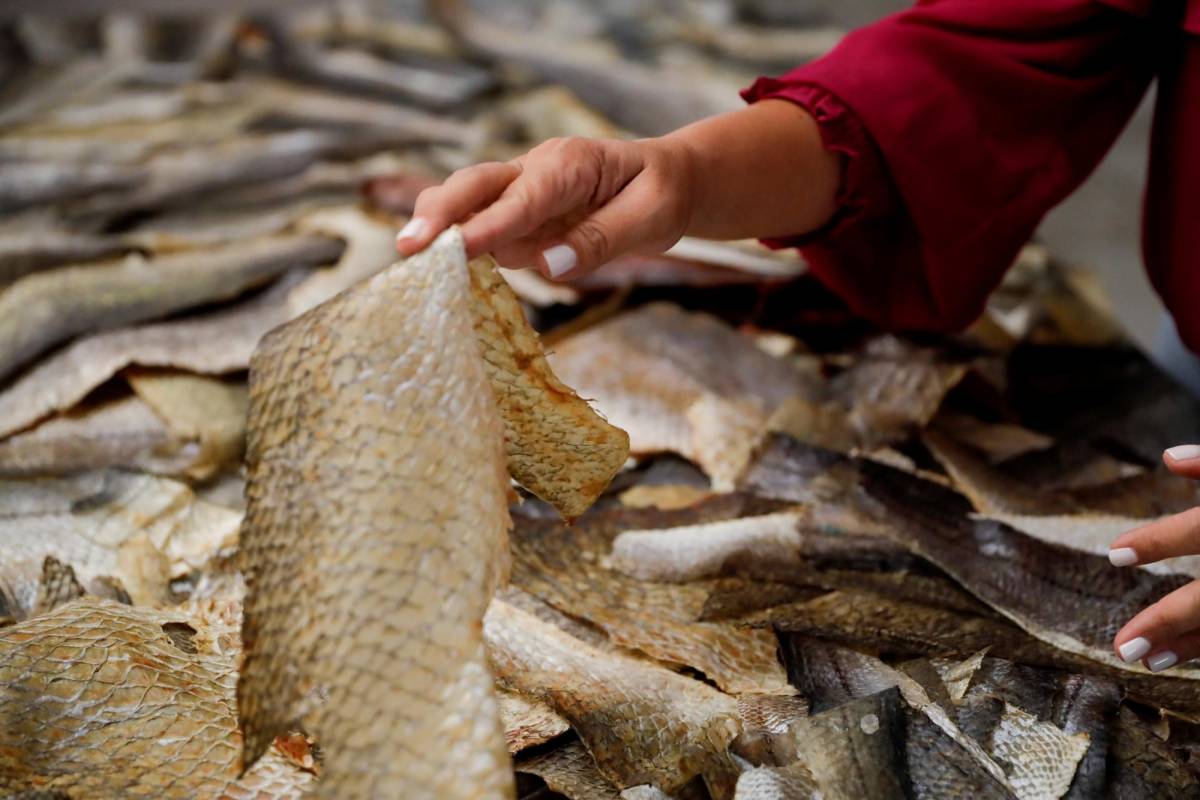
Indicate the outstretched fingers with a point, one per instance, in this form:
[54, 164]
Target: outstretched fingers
[1169, 537]
[1164, 634]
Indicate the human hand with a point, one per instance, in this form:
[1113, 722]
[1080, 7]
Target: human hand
[1167, 632]
[565, 207]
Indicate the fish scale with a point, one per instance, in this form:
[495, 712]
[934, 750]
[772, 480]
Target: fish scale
[376, 524]
[132, 713]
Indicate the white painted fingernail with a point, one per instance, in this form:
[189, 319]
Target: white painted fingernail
[560, 259]
[1184, 452]
[1160, 661]
[1134, 649]
[414, 228]
[1122, 556]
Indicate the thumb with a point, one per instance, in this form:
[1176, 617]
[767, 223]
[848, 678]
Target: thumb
[633, 219]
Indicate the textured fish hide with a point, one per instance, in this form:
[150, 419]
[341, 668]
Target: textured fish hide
[107, 702]
[681, 382]
[377, 516]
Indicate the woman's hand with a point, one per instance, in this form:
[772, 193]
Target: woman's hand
[570, 205]
[1168, 631]
[565, 207]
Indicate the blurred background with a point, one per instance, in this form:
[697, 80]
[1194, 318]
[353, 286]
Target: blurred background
[129, 118]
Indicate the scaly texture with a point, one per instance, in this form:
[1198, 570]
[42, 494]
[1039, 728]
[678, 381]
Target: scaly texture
[540, 412]
[108, 702]
[374, 537]
[680, 382]
[136, 529]
[1042, 758]
[44, 309]
[641, 722]
[570, 770]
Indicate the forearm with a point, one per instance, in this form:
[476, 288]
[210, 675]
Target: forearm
[760, 172]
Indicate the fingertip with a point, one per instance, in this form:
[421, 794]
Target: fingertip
[558, 260]
[1183, 457]
[415, 234]
[1123, 556]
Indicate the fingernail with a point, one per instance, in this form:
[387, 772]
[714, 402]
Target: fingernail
[560, 259]
[1160, 661]
[1184, 452]
[1134, 649]
[1122, 556]
[414, 228]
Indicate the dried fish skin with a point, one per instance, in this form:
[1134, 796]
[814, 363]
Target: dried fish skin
[118, 433]
[211, 343]
[793, 782]
[26, 184]
[858, 619]
[680, 382]
[540, 413]
[139, 715]
[939, 767]
[641, 722]
[1086, 704]
[1142, 765]
[137, 529]
[527, 722]
[643, 100]
[381, 392]
[23, 252]
[45, 309]
[570, 770]
[1072, 600]
[856, 750]
[564, 567]
[703, 551]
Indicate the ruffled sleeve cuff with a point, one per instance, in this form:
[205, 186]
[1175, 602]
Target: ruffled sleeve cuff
[866, 190]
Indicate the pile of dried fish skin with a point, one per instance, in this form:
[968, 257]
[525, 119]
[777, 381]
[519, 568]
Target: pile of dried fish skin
[840, 563]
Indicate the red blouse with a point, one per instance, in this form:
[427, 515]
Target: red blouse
[964, 121]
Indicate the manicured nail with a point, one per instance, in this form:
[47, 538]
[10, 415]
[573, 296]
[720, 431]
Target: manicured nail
[1160, 661]
[1184, 452]
[1122, 556]
[414, 228]
[1134, 649]
[560, 259]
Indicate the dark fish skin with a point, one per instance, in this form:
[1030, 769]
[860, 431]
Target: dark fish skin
[786, 469]
[1141, 766]
[1070, 598]
[1089, 705]
[885, 625]
[939, 768]
[856, 750]
[48, 308]
[827, 675]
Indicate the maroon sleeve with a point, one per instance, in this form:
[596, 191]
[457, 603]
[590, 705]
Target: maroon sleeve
[962, 123]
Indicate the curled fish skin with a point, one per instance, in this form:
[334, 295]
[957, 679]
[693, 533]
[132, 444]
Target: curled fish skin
[362, 618]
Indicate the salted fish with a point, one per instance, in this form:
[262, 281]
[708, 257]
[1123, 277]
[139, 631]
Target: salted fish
[1072, 600]
[1142, 765]
[26, 251]
[144, 704]
[394, 400]
[680, 382]
[138, 530]
[642, 723]
[45, 309]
